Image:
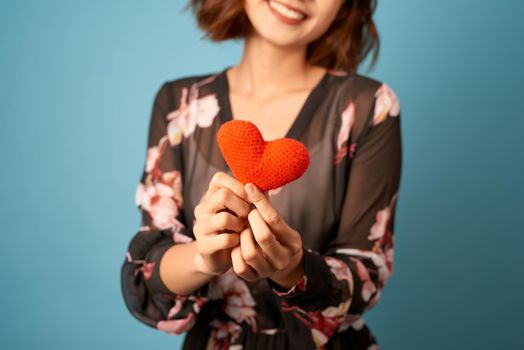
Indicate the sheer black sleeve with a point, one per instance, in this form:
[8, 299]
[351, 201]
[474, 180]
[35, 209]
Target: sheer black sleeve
[159, 200]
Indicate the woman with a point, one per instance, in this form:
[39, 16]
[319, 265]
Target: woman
[293, 268]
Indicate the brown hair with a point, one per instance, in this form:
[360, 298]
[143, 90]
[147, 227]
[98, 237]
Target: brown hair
[344, 45]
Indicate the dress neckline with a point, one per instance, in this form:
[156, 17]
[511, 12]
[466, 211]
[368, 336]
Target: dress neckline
[301, 121]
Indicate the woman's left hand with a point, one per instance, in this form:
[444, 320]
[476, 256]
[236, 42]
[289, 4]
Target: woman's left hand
[269, 247]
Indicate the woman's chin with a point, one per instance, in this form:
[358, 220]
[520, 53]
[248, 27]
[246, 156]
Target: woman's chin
[281, 37]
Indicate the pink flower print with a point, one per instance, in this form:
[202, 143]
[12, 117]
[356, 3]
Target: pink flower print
[198, 302]
[147, 269]
[386, 104]
[153, 155]
[376, 298]
[340, 73]
[177, 326]
[368, 287]
[352, 150]
[223, 334]
[157, 199]
[319, 337]
[269, 331]
[181, 325]
[238, 301]
[377, 257]
[301, 286]
[380, 226]
[144, 228]
[181, 238]
[179, 303]
[384, 247]
[358, 324]
[348, 118]
[173, 179]
[175, 131]
[322, 325]
[352, 320]
[382, 232]
[192, 112]
[340, 270]
[153, 158]
[389, 251]
[160, 194]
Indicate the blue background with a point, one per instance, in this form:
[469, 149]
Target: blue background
[77, 84]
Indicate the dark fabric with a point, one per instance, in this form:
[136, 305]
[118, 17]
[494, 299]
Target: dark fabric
[343, 207]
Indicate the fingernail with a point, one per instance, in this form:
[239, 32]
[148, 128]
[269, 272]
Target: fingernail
[250, 189]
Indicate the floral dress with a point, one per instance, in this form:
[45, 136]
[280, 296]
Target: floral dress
[343, 207]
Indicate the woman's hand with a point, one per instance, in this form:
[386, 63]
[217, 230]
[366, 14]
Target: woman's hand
[269, 247]
[220, 217]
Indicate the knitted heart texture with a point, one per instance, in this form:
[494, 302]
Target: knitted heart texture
[267, 164]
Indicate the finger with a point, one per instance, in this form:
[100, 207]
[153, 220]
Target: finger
[213, 244]
[261, 202]
[226, 222]
[240, 267]
[222, 179]
[272, 218]
[277, 254]
[218, 223]
[252, 254]
[224, 198]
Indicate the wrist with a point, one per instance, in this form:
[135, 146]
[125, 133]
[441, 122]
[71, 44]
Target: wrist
[200, 266]
[293, 274]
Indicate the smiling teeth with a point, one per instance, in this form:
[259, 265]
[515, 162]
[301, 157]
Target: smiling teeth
[286, 11]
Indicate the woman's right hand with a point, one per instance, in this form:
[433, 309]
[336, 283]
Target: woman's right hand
[220, 216]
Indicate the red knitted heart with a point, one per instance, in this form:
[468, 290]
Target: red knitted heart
[267, 164]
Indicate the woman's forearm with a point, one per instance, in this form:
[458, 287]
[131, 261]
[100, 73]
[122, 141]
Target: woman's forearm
[178, 270]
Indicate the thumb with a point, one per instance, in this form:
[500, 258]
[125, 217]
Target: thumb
[261, 201]
[255, 195]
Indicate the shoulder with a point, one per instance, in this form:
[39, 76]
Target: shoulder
[364, 90]
[171, 92]
[188, 80]
[364, 101]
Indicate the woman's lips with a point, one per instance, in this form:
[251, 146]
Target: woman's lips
[284, 18]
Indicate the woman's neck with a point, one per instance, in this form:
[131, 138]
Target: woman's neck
[266, 69]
